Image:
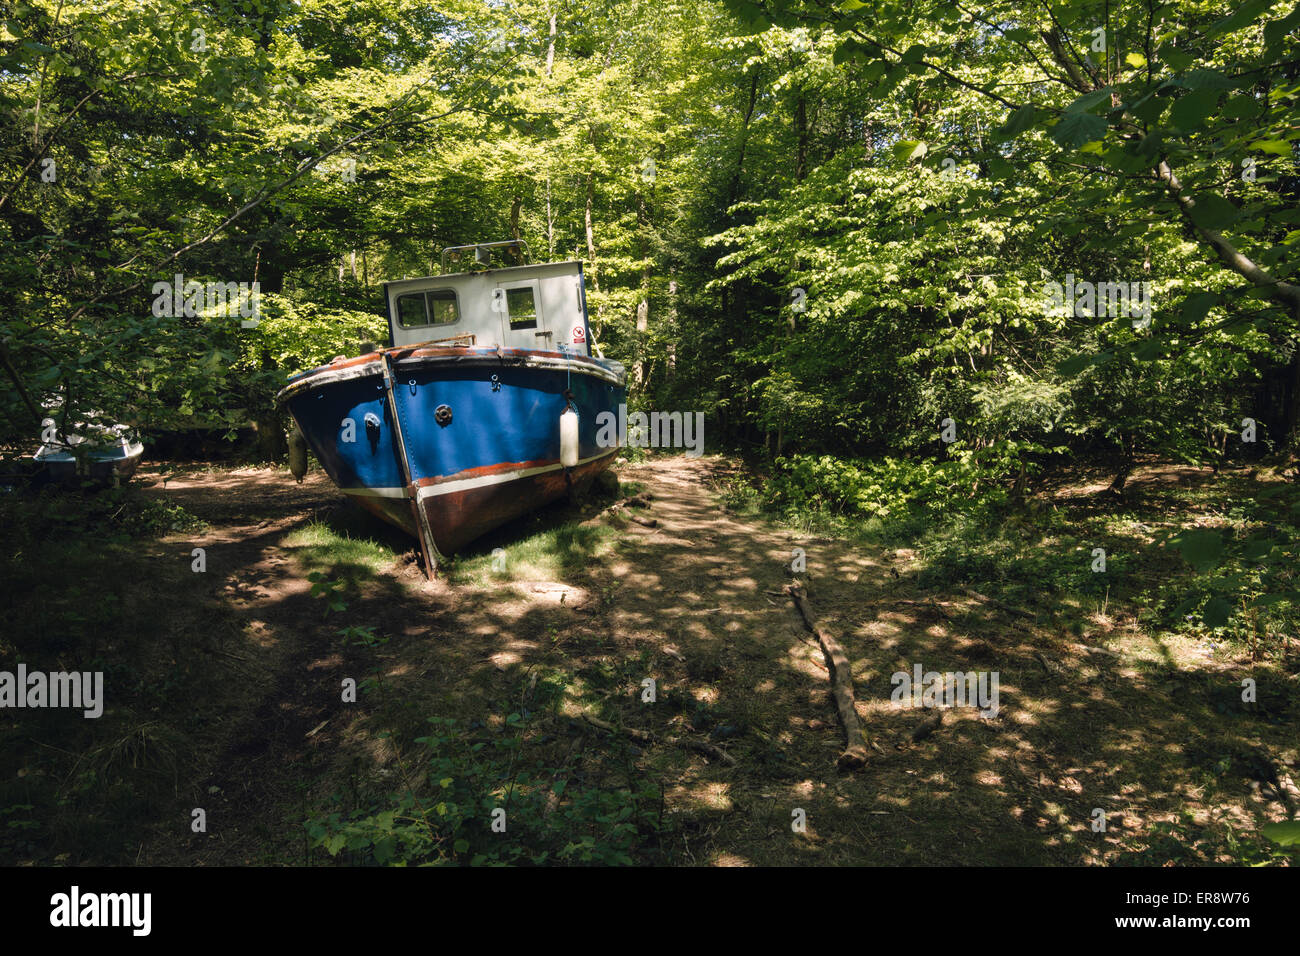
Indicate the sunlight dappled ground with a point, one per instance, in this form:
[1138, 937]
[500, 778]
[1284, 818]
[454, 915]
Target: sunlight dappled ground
[564, 616]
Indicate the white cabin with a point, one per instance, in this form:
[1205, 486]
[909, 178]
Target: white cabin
[517, 307]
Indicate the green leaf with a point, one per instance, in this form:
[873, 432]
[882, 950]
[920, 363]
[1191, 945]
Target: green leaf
[1020, 120]
[1175, 58]
[1205, 80]
[1275, 31]
[1216, 613]
[1076, 364]
[1256, 549]
[1279, 597]
[1195, 307]
[1277, 147]
[1246, 14]
[1240, 107]
[1191, 109]
[846, 51]
[907, 150]
[1088, 100]
[1150, 108]
[1075, 129]
[1200, 547]
[1286, 833]
[1212, 211]
[1149, 350]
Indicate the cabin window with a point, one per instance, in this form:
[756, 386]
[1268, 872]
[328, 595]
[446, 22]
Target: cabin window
[435, 307]
[442, 307]
[410, 311]
[521, 307]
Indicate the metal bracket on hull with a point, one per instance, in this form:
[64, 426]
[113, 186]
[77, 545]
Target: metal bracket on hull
[428, 549]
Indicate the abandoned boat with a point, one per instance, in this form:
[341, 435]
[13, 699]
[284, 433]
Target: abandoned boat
[482, 407]
[96, 454]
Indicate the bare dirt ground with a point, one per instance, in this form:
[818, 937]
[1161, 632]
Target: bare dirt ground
[696, 604]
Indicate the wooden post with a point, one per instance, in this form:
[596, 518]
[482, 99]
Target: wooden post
[428, 550]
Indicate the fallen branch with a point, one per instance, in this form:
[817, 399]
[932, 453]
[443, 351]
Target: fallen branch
[645, 737]
[1097, 651]
[837, 663]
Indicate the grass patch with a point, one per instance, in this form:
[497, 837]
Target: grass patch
[331, 547]
[550, 554]
[471, 779]
[82, 593]
[1046, 553]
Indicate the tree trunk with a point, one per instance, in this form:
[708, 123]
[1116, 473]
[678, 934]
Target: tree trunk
[1126, 462]
[271, 444]
[801, 130]
[643, 307]
[550, 48]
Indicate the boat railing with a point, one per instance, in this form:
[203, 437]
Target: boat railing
[483, 252]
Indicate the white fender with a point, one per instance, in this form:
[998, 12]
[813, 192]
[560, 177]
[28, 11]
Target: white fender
[569, 438]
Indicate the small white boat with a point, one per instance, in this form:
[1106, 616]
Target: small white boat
[96, 453]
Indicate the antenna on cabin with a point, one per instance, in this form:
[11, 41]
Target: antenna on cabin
[513, 251]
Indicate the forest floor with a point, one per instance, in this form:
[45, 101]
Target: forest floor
[569, 614]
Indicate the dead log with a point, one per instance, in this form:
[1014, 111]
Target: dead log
[645, 737]
[837, 663]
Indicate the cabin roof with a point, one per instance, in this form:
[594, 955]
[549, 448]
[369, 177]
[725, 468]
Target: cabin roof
[504, 271]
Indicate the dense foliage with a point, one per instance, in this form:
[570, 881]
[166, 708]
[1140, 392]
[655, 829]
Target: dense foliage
[908, 256]
[841, 230]
[829, 225]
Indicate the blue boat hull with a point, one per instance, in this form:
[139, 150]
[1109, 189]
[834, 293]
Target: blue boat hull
[450, 443]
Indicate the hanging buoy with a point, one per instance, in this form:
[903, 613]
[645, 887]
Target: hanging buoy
[297, 453]
[569, 438]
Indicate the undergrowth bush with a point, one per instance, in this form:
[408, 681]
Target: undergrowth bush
[468, 780]
[1186, 842]
[112, 513]
[971, 480]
